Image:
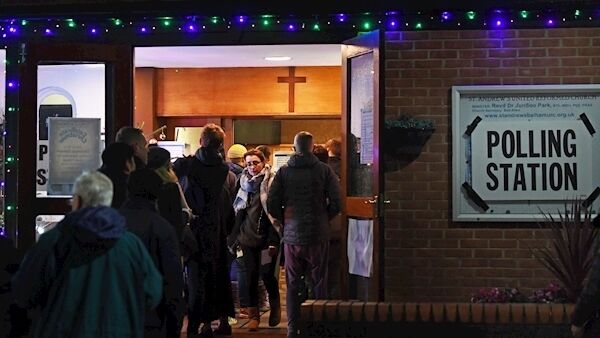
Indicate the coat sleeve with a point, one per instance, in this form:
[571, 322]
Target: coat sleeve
[275, 199]
[333, 194]
[589, 299]
[32, 282]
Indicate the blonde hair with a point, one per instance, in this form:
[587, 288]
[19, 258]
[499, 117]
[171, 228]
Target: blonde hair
[166, 174]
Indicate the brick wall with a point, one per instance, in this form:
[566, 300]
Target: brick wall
[428, 257]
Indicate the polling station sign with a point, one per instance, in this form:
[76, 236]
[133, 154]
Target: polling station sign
[540, 160]
[519, 152]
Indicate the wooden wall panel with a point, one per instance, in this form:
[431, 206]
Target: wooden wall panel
[246, 92]
[144, 106]
[322, 130]
[322, 91]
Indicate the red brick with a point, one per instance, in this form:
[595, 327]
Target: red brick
[485, 81]
[459, 44]
[596, 61]
[485, 63]
[473, 72]
[487, 253]
[545, 62]
[429, 44]
[593, 71]
[516, 43]
[545, 43]
[587, 32]
[473, 243]
[503, 53]
[503, 263]
[488, 233]
[518, 273]
[443, 73]
[577, 42]
[516, 62]
[429, 233]
[428, 83]
[534, 52]
[460, 63]
[562, 71]
[517, 254]
[400, 101]
[400, 45]
[443, 35]
[415, 73]
[428, 63]
[443, 54]
[414, 92]
[532, 72]
[392, 73]
[472, 54]
[474, 263]
[401, 82]
[560, 52]
[577, 80]
[516, 81]
[576, 62]
[413, 54]
[503, 72]
[561, 32]
[503, 243]
[399, 64]
[487, 44]
[590, 51]
[444, 243]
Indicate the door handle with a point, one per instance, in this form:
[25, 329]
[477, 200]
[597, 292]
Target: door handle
[370, 201]
[387, 202]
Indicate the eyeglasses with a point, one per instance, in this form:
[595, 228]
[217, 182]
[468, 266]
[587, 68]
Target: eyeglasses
[253, 163]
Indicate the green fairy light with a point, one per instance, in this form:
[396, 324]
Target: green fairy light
[10, 208]
[419, 25]
[366, 25]
[167, 23]
[71, 23]
[316, 27]
[11, 109]
[524, 14]
[118, 22]
[10, 159]
[214, 19]
[266, 22]
[23, 22]
[577, 12]
[471, 15]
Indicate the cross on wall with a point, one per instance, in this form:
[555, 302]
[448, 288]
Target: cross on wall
[291, 80]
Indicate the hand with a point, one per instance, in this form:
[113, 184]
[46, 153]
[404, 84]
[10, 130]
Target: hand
[272, 251]
[577, 331]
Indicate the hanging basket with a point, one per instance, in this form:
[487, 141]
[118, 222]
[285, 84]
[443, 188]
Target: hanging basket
[405, 141]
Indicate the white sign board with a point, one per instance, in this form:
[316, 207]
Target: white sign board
[280, 158]
[360, 247]
[520, 151]
[74, 148]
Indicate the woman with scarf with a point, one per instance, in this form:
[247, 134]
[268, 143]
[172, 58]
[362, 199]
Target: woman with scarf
[255, 231]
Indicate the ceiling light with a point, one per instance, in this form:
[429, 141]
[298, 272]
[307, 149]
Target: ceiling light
[278, 58]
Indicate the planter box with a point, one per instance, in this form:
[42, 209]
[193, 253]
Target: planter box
[405, 141]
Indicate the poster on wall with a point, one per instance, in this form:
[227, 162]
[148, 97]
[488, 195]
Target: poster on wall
[520, 152]
[74, 145]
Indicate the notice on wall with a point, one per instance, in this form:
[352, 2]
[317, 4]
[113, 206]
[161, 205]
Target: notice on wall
[280, 158]
[523, 151]
[360, 247]
[74, 147]
[366, 136]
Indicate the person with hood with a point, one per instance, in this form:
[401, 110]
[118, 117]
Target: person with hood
[142, 218]
[253, 232]
[117, 163]
[90, 276]
[207, 192]
[304, 196]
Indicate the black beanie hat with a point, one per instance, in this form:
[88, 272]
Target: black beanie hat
[116, 154]
[158, 157]
[144, 183]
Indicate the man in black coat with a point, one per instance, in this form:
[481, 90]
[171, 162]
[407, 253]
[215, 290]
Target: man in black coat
[304, 197]
[207, 187]
[142, 218]
[117, 163]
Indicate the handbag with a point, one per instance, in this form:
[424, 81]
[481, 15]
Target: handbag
[254, 237]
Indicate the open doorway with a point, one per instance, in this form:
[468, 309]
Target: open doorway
[259, 95]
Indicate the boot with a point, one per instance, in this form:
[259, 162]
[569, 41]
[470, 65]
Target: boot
[243, 313]
[275, 314]
[254, 316]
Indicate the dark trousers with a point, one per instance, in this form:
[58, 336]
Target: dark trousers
[249, 271]
[309, 261]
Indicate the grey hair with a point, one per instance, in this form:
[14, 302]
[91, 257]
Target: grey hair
[94, 189]
[303, 142]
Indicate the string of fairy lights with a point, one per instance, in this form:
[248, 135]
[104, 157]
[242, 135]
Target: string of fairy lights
[392, 20]
[195, 25]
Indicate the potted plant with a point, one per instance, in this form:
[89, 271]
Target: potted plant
[407, 135]
[569, 256]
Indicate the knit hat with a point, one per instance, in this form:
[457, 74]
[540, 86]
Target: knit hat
[236, 151]
[157, 157]
[144, 183]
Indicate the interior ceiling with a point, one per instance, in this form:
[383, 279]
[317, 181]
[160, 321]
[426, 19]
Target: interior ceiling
[237, 56]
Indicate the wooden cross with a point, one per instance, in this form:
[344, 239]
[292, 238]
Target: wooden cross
[291, 80]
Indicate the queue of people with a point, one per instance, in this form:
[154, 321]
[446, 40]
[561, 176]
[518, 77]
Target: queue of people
[149, 241]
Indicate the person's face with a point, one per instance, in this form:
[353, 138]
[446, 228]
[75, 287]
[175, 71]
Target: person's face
[140, 149]
[254, 164]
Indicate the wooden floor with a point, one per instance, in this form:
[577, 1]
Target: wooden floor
[264, 331]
